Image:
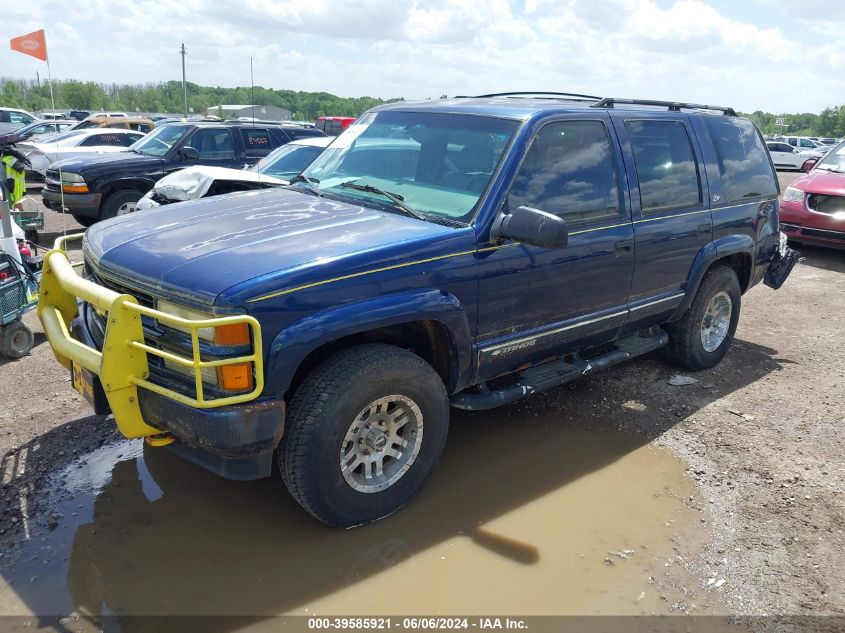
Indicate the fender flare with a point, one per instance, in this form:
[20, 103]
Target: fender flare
[710, 253]
[298, 339]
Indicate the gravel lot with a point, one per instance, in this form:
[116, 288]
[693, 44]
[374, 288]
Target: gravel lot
[761, 439]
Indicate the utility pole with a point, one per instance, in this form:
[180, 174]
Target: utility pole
[184, 84]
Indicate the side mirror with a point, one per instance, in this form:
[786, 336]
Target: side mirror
[189, 153]
[532, 226]
[810, 163]
[795, 150]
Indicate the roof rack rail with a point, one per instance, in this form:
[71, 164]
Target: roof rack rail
[674, 106]
[529, 92]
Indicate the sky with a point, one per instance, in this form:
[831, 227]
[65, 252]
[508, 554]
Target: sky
[770, 55]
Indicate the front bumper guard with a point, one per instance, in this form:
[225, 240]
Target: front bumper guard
[122, 364]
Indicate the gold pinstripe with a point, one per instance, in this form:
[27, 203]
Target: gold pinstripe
[378, 270]
[280, 293]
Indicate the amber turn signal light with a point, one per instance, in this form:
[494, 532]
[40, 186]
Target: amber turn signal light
[236, 377]
[234, 334]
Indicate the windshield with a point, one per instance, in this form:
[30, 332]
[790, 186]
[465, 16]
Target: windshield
[435, 164]
[288, 160]
[834, 160]
[160, 140]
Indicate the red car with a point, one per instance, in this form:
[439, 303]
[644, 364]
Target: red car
[813, 209]
[333, 125]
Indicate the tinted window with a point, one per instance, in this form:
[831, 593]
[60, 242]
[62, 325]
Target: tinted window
[213, 143]
[743, 161]
[569, 171]
[780, 147]
[666, 166]
[256, 141]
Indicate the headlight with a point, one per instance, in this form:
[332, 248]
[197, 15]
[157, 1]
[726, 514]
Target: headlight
[73, 183]
[791, 194]
[176, 310]
[230, 335]
[69, 178]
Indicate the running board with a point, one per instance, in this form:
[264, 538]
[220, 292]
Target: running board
[558, 372]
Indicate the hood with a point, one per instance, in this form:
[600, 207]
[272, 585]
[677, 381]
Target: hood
[822, 181]
[194, 182]
[91, 163]
[199, 249]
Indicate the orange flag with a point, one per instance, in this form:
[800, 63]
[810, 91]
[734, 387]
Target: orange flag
[34, 44]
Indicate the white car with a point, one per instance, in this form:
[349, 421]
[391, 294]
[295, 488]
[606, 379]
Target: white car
[12, 119]
[201, 181]
[784, 156]
[76, 143]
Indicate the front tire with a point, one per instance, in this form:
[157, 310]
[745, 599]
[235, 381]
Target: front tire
[363, 433]
[701, 338]
[120, 203]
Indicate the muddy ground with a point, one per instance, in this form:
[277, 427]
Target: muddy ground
[617, 494]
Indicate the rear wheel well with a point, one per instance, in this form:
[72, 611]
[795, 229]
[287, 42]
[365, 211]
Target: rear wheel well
[427, 339]
[740, 263]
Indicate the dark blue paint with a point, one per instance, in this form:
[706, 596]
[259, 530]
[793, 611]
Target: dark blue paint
[336, 269]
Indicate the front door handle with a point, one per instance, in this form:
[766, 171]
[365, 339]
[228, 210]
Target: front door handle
[623, 245]
[705, 228]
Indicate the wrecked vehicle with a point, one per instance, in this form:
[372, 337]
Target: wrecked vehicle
[201, 181]
[464, 252]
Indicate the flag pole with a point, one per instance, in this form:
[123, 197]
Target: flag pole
[61, 184]
[50, 81]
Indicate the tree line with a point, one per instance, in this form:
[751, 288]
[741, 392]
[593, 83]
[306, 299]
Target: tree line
[830, 123]
[167, 97]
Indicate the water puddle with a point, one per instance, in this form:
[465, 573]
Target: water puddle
[527, 514]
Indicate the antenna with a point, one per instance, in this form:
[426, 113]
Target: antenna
[182, 52]
[252, 92]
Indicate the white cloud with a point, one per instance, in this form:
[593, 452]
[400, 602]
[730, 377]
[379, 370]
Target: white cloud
[423, 48]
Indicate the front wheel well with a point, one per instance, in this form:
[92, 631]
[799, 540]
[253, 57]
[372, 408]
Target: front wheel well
[132, 185]
[427, 339]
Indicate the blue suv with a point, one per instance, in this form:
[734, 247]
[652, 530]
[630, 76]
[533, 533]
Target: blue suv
[455, 253]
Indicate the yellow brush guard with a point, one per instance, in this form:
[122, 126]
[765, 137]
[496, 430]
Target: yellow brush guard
[122, 364]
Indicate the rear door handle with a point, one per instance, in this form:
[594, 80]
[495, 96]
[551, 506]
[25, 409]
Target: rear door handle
[623, 245]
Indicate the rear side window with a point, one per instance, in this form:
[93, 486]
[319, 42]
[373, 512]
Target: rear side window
[257, 142]
[743, 160]
[213, 144]
[569, 171]
[666, 166]
[106, 139]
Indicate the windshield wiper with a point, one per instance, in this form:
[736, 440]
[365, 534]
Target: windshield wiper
[829, 168]
[396, 199]
[311, 182]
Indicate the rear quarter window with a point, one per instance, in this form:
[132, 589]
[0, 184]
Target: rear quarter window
[257, 141]
[743, 159]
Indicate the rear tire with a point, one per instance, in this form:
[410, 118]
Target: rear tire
[702, 337]
[363, 433]
[16, 340]
[120, 203]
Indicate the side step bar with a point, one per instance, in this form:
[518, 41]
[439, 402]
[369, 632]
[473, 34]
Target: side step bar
[555, 373]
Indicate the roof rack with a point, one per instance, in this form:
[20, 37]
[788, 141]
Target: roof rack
[674, 106]
[528, 93]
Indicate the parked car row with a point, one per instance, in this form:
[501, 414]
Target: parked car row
[102, 186]
[76, 142]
